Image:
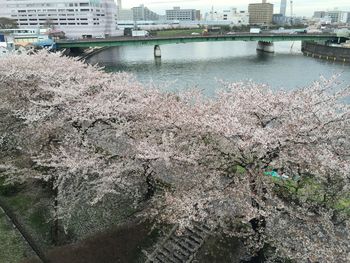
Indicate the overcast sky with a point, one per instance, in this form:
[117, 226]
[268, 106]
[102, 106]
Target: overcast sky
[300, 7]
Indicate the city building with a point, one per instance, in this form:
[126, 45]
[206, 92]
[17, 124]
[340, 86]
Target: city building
[76, 18]
[142, 13]
[182, 14]
[260, 13]
[231, 16]
[283, 7]
[338, 16]
[335, 16]
[279, 19]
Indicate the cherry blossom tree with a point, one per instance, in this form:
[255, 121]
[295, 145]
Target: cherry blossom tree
[59, 104]
[302, 133]
[93, 134]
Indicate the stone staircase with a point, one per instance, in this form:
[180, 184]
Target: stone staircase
[180, 249]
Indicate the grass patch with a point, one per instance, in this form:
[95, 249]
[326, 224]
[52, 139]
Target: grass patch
[343, 205]
[38, 221]
[240, 169]
[30, 203]
[311, 190]
[12, 247]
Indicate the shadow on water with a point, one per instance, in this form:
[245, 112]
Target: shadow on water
[264, 56]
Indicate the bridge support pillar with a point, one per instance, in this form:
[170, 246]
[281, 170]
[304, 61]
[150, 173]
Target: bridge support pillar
[265, 47]
[157, 52]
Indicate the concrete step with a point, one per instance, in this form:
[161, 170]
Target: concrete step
[180, 249]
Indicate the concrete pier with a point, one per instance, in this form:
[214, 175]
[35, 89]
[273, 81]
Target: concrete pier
[157, 51]
[265, 46]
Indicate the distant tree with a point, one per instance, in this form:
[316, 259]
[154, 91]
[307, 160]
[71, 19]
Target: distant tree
[7, 23]
[225, 28]
[94, 134]
[49, 23]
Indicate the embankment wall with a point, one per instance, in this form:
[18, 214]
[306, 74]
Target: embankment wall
[325, 52]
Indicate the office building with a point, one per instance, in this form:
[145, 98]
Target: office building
[76, 18]
[260, 13]
[182, 14]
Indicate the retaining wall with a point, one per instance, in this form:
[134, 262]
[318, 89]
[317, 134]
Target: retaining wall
[325, 52]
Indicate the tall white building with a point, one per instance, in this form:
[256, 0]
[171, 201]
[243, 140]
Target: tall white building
[77, 18]
[283, 7]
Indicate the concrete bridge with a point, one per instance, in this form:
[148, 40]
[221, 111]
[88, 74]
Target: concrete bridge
[265, 40]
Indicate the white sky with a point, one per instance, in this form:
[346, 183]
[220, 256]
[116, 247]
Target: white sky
[300, 7]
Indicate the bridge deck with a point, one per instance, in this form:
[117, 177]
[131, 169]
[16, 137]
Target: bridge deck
[135, 41]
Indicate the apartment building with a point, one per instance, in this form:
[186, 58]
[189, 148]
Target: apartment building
[182, 14]
[142, 13]
[260, 13]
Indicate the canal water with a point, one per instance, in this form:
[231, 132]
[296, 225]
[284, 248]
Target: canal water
[206, 65]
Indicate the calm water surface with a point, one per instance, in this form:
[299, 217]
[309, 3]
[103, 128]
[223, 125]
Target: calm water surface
[204, 65]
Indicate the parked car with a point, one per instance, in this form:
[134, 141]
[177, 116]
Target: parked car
[195, 34]
[140, 33]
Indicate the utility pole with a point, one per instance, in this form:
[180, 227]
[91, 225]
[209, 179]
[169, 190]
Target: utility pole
[291, 12]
